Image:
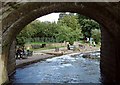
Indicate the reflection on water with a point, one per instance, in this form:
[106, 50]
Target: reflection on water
[62, 69]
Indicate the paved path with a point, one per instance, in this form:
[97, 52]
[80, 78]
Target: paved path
[32, 59]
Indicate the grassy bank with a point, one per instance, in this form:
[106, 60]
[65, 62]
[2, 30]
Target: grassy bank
[46, 48]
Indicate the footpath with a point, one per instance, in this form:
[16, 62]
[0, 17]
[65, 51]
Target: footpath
[32, 59]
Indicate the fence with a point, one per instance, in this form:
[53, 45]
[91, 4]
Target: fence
[42, 39]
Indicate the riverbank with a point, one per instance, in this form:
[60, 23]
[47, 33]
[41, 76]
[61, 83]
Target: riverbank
[32, 59]
[44, 54]
[36, 57]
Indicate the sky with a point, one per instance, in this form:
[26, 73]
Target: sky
[50, 17]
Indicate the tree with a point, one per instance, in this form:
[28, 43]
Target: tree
[96, 35]
[37, 29]
[71, 26]
[63, 33]
[26, 33]
[70, 21]
[87, 25]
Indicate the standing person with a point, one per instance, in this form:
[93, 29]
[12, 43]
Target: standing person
[23, 50]
[68, 46]
[94, 44]
[19, 53]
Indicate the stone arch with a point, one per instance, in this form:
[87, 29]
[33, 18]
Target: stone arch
[21, 14]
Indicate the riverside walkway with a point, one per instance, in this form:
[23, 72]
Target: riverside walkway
[44, 54]
[32, 59]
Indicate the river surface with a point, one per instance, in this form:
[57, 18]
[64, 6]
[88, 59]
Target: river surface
[62, 69]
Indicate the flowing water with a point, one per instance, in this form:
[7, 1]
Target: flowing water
[62, 69]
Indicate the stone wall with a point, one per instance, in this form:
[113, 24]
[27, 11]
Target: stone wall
[11, 59]
[108, 58]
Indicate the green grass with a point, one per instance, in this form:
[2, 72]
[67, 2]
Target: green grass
[53, 47]
[46, 48]
[82, 42]
[39, 43]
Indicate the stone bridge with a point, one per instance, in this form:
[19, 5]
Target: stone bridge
[16, 15]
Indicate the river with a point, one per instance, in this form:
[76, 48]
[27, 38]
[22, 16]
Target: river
[61, 69]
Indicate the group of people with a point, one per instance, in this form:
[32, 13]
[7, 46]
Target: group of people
[22, 53]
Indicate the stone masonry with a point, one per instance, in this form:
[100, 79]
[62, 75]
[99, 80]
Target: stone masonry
[16, 15]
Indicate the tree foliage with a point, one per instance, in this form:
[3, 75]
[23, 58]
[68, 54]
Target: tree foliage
[96, 35]
[87, 25]
[69, 28]
[70, 21]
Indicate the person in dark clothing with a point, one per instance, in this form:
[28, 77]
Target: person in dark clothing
[19, 53]
[68, 46]
[23, 50]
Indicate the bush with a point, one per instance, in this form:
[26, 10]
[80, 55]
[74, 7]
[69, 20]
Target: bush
[71, 42]
[96, 35]
[43, 45]
[36, 46]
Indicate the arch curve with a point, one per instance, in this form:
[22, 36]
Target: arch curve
[107, 14]
[36, 10]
